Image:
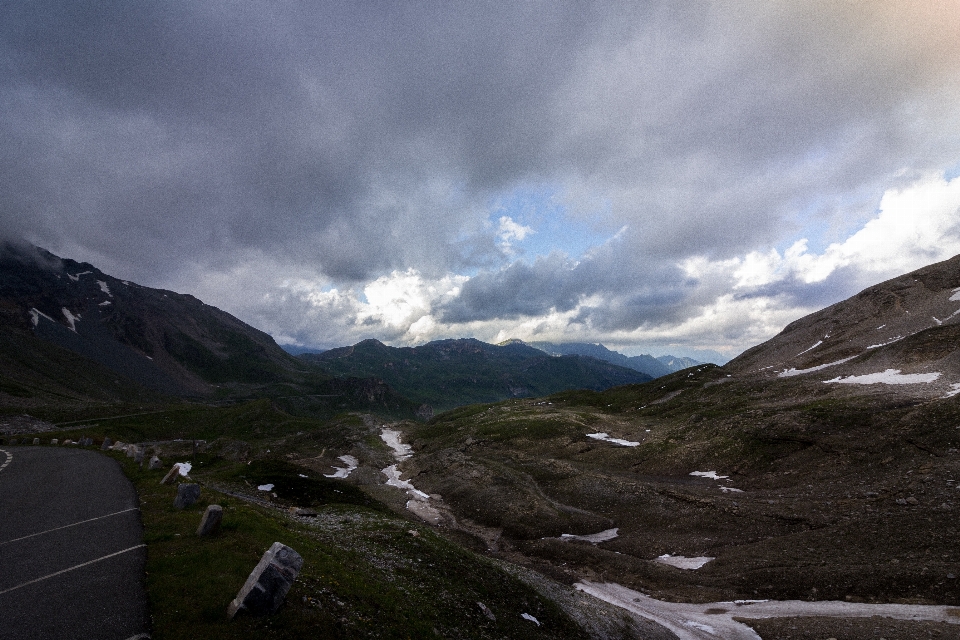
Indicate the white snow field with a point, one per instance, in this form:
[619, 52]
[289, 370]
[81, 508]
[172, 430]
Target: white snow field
[342, 472]
[890, 376]
[708, 474]
[682, 562]
[392, 438]
[418, 499]
[799, 372]
[714, 620]
[601, 536]
[606, 438]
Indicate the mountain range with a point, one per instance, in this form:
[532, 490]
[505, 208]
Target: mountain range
[64, 322]
[654, 367]
[70, 333]
[449, 373]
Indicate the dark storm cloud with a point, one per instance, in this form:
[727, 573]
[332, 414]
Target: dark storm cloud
[633, 292]
[350, 140]
[357, 137]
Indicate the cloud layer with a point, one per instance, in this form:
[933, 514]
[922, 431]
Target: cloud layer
[703, 172]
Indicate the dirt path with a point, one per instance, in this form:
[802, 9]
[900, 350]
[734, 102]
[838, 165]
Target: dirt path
[716, 619]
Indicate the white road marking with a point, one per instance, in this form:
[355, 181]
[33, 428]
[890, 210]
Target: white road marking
[62, 571]
[9, 459]
[67, 526]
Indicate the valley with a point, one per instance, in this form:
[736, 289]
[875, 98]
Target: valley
[819, 470]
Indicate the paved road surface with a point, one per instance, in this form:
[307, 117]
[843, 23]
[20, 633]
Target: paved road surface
[71, 552]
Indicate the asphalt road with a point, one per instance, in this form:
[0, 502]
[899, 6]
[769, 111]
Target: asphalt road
[71, 547]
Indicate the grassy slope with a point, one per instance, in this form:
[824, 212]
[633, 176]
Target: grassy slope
[364, 574]
[455, 377]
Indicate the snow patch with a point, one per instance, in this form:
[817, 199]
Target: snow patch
[105, 303]
[890, 376]
[342, 472]
[104, 287]
[954, 390]
[731, 490]
[883, 344]
[720, 616]
[265, 487]
[35, 316]
[701, 626]
[819, 342]
[76, 277]
[708, 474]
[594, 538]
[682, 562]
[606, 438]
[185, 468]
[71, 319]
[789, 373]
[393, 480]
[392, 438]
[527, 616]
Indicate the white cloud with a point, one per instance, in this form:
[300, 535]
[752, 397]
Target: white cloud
[914, 226]
[509, 231]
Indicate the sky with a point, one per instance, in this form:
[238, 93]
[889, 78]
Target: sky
[682, 177]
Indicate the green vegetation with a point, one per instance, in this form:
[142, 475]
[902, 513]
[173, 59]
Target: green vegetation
[366, 573]
[453, 373]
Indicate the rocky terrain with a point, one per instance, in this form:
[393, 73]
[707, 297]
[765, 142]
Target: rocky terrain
[72, 336]
[794, 480]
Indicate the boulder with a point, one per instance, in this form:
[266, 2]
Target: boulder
[36, 441]
[172, 475]
[138, 455]
[54, 441]
[107, 443]
[187, 494]
[132, 450]
[268, 584]
[485, 610]
[154, 463]
[210, 523]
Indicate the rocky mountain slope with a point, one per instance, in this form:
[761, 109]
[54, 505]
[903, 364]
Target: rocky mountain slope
[450, 373]
[70, 331]
[900, 336]
[653, 367]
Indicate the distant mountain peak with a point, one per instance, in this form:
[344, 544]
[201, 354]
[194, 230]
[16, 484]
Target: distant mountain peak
[653, 367]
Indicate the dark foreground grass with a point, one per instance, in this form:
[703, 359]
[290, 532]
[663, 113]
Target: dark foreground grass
[365, 575]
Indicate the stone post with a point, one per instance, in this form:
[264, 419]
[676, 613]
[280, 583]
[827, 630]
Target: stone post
[268, 584]
[210, 524]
